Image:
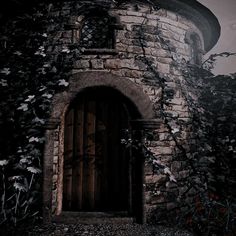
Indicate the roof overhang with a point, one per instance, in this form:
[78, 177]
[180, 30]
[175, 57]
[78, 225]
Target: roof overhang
[200, 15]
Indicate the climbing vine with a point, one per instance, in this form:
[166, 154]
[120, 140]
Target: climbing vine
[30, 75]
[202, 181]
[29, 78]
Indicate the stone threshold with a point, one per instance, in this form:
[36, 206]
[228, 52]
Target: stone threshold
[69, 217]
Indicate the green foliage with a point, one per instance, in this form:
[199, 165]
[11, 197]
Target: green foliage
[210, 215]
[213, 163]
[29, 78]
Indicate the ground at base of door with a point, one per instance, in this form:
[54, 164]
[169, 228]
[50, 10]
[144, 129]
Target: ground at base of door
[57, 229]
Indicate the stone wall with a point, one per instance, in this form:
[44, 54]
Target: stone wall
[147, 65]
[151, 45]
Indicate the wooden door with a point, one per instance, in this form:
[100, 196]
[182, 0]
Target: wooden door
[96, 165]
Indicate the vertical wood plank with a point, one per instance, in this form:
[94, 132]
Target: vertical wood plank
[89, 154]
[100, 128]
[102, 153]
[91, 116]
[78, 156]
[81, 154]
[68, 158]
[114, 186]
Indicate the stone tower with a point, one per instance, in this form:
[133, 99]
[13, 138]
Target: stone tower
[125, 64]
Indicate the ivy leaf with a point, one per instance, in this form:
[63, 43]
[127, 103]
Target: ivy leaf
[172, 178]
[65, 49]
[3, 82]
[46, 65]
[18, 53]
[54, 69]
[19, 186]
[47, 95]
[5, 71]
[23, 107]
[62, 82]
[40, 51]
[42, 71]
[17, 177]
[33, 170]
[167, 171]
[175, 130]
[38, 120]
[25, 160]
[156, 162]
[42, 88]
[33, 139]
[30, 98]
[3, 162]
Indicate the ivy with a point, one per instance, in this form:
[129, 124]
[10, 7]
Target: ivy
[30, 76]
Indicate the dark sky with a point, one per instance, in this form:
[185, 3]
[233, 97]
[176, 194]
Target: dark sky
[225, 11]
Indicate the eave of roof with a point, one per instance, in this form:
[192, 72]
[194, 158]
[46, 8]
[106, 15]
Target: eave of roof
[200, 15]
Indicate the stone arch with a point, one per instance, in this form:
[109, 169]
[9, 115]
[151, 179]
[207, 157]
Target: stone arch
[54, 136]
[83, 80]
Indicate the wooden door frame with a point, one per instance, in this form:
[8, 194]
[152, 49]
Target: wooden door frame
[55, 127]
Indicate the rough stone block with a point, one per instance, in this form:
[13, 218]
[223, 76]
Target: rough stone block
[165, 150]
[164, 68]
[55, 151]
[55, 178]
[81, 64]
[56, 144]
[112, 64]
[121, 47]
[97, 64]
[158, 199]
[132, 73]
[134, 13]
[177, 101]
[148, 169]
[55, 159]
[152, 17]
[164, 60]
[55, 169]
[155, 179]
[132, 19]
[151, 22]
[183, 174]
[135, 49]
[175, 166]
[171, 205]
[172, 15]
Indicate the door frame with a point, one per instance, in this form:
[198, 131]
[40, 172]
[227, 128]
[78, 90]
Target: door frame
[54, 132]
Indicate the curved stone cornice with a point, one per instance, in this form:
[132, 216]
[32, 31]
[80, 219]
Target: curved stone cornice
[201, 16]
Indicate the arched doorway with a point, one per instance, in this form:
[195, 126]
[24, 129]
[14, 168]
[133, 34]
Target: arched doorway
[99, 172]
[139, 108]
